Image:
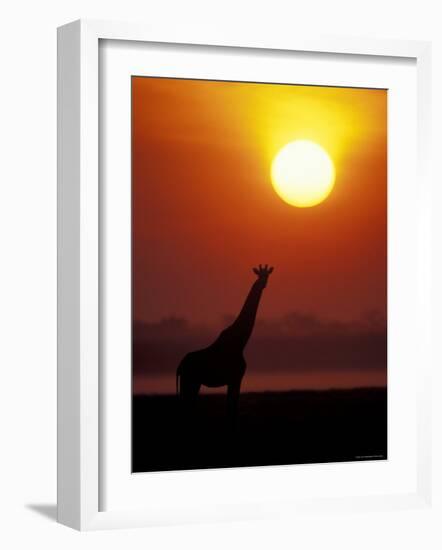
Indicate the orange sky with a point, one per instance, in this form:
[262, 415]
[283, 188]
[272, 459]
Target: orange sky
[205, 211]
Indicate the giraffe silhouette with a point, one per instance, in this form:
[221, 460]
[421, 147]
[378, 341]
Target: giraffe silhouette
[222, 363]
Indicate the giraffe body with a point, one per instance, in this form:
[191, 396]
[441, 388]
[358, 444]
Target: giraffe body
[222, 363]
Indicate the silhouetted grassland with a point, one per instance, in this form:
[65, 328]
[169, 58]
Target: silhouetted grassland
[294, 427]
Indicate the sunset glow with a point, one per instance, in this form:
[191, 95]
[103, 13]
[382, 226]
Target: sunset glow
[217, 189]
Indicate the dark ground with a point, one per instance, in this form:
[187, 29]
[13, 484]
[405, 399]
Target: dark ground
[293, 427]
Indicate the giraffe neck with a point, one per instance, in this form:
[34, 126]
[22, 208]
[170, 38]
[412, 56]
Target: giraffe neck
[238, 333]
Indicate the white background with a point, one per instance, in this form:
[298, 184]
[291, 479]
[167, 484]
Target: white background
[28, 276]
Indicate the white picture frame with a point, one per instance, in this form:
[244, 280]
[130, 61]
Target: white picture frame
[79, 274]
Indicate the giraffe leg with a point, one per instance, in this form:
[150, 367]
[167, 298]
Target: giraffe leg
[233, 391]
[189, 390]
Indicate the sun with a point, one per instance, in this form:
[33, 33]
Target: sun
[303, 173]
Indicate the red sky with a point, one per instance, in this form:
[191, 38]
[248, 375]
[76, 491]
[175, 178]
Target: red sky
[205, 212]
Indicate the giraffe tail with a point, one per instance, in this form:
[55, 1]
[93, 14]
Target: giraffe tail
[178, 375]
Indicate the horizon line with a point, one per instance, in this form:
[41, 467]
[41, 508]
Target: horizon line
[317, 390]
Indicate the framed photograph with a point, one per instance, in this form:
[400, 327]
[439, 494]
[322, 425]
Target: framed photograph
[243, 276]
[274, 363]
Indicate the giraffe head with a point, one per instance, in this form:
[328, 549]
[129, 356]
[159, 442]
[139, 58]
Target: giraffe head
[263, 272]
